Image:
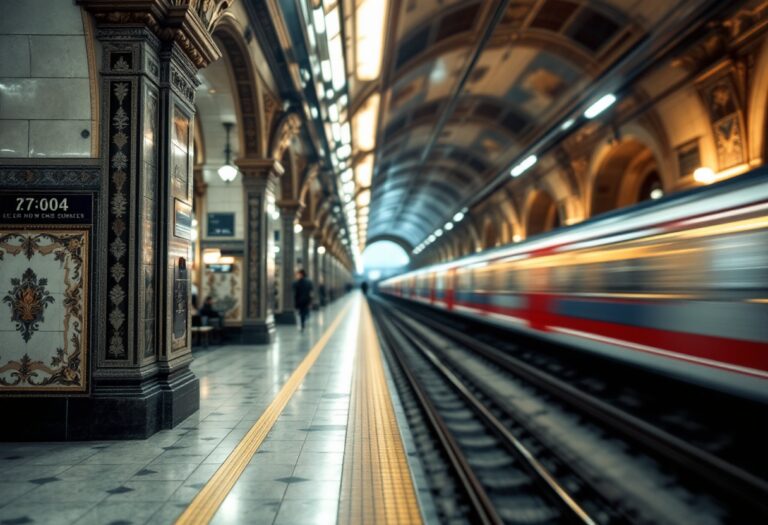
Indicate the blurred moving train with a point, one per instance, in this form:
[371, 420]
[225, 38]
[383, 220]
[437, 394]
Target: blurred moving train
[679, 284]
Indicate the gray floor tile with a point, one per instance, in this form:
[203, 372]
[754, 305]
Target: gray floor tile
[46, 513]
[165, 472]
[84, 491]
[11, 491]
[139, 491]
[100, 472]
[307, 512]
[236, 511]
[328, 489]
[109, 511]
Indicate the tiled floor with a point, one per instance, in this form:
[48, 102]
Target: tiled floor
[293, 478]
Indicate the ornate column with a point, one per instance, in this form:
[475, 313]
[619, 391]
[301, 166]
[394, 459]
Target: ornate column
[289, 210]
[151, 51]
[259, 182]
[317, 273]
[307, 257]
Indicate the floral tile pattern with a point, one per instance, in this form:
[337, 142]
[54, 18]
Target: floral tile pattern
[43, 318]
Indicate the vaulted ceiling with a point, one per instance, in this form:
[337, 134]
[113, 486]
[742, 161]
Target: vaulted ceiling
[467, 84]
[463, 90]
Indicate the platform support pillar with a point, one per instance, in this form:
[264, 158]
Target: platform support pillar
[259, 181]
[288, 213]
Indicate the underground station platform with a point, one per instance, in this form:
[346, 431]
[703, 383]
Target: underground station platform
[305, 430]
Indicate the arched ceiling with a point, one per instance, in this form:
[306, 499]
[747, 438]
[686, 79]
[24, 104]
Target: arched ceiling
[467, 84]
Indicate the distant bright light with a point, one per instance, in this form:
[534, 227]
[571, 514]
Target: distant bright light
[364, 123]
[517, 237]
[385, 254]
[524, 166]
[458, 217]
[704, 175]
[448, 226]
[438, 232]
[326, 68]
[321, 250]
[657, 193]
[364, 171]
[374, 275]
[297, 228]
[370, 19]
[601, 105]
[567, 124]
[346, 175]
[319, 17]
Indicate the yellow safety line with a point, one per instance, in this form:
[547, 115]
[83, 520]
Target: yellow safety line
[207, 502]
[376, 484]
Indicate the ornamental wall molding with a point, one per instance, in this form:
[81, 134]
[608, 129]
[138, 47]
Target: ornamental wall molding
[50, 176]
[188, 23]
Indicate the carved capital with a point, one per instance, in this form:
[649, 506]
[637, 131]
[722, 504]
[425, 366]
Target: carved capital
[188, 23]
[259, 168]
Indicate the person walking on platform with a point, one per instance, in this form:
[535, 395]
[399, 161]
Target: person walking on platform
[302, 296]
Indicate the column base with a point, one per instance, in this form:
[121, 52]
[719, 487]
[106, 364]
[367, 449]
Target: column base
[118, 408]
[286, 317]
[258, 332]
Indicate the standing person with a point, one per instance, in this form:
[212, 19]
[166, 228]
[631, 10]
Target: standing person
[364, 287]
[302, 296]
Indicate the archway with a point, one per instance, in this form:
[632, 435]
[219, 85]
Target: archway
[543, 214]
[490, 234]
[627, 174]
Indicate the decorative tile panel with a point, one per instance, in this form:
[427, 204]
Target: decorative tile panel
[120, 165]
[43, 310]
[226, 289]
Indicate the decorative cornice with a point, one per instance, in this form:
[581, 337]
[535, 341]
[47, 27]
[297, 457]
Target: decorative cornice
[254, 167]
[188, 23]
[49, 176]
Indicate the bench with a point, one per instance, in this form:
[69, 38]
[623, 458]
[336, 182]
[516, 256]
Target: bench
[202, 333]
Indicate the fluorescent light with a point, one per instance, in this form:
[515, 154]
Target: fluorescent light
[364, 123]
[601, 105]
[321, 250]
[348, 187]
[336, 132]
[346, 175]
[333, 112]
[332, 22]
[438, 232]
[211, 256]
[567, 124]
[346, 133]
[370, 19]
[448, 226]
[319, 17]
[336, 53]
[364, 171]
[524, 166]
[364, 198]
[297, 228]
[343, 151]
[458, 217]
[313, 111]
[325, 66]
[704, 175]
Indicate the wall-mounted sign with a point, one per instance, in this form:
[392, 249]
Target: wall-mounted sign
[221, 224]
[45, 253]
[45, 208]
[182, 225]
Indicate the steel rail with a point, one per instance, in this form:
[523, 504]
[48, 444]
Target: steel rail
[740, 485]
[557, 493]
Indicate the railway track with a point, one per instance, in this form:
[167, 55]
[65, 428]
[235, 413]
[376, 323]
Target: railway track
[503, 475]
[479, 422]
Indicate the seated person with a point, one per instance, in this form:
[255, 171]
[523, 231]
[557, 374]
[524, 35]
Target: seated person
[209, 312]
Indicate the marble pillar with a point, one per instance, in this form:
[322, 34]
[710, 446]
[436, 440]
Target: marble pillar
[288, 214]
[259, 182]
